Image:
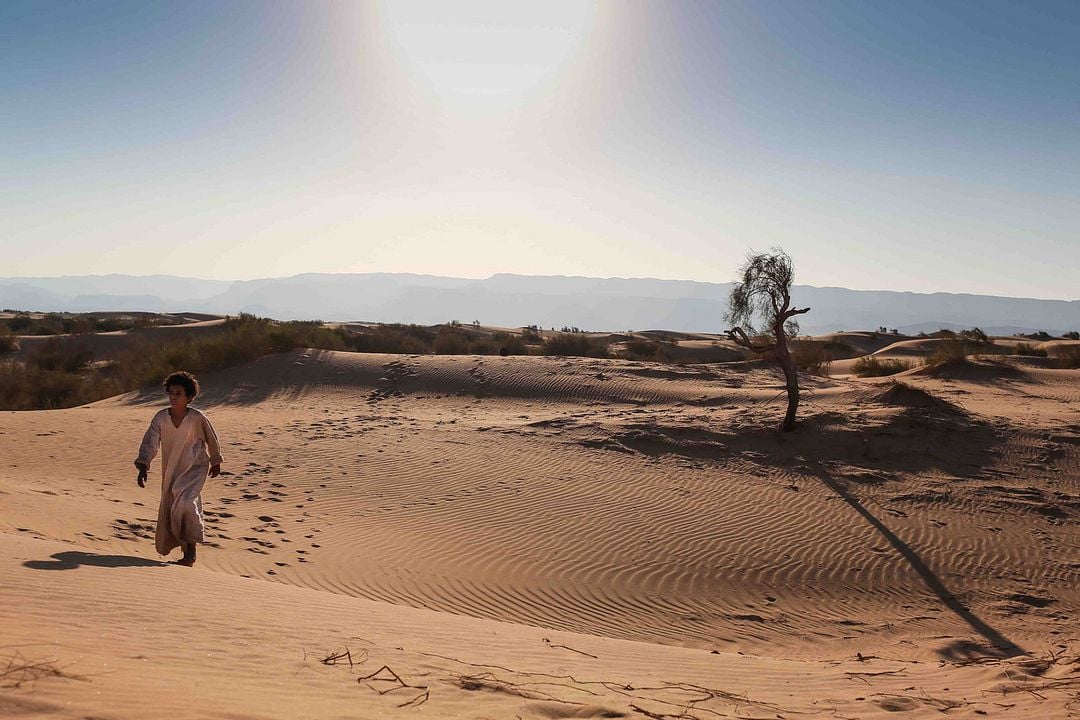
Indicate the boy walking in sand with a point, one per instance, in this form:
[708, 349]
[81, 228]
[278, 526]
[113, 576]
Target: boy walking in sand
[189, 452]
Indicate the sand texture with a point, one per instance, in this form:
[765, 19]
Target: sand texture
[540, 537]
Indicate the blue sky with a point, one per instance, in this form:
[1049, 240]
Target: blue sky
[910, 146]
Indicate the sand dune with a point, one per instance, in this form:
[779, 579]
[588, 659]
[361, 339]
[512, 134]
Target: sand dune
[646, 515]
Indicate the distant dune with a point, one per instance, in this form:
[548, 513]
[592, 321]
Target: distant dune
[514, 300]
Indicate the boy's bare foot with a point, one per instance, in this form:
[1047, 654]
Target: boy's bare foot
[189, 556]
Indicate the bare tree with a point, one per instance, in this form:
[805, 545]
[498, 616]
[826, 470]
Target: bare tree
[764, 291]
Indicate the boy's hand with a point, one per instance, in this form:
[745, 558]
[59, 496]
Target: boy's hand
[215, 470]
[142, 477]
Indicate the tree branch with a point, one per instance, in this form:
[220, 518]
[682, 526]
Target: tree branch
[737, 336]
[794, 311]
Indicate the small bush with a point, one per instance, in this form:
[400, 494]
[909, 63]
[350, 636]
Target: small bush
[8, 342]
[975, 334]
[1074, 335]
[1028, 350]
[20, 324]
[811, 357]
[60, 354]
[451, 341]
[870, 366]
[835, 347]
[953, 352]
[510, 344]
[395, 338]
[1066, 358]
[575, 344]
[646, 351]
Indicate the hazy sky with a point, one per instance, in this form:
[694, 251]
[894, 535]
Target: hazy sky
[885, 145]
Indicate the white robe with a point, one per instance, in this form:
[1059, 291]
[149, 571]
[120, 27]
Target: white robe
[187, 452]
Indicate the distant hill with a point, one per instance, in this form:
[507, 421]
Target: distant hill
[514, 300]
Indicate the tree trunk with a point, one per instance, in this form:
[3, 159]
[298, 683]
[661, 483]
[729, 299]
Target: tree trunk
[791, 375]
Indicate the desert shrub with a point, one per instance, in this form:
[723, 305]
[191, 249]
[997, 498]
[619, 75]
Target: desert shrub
[60, 373]
[575, 344]
[531, 334]
[51, 389]
[1074, 335]
[60, 354]
[975, 334]
[811, 357]
[20, 323]
[835, 347]
[870, 366]
[8, 341]
[484, 346]
[510, 344]
[395, 338]
[451, 341]
[1066, 358]
[77, 324]
[647, 351]
[1029, 350]
[953, 352]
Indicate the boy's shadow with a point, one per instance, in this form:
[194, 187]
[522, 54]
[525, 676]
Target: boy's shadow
[72, 559]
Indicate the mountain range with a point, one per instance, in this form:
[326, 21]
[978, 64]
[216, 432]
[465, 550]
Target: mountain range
[515, 300]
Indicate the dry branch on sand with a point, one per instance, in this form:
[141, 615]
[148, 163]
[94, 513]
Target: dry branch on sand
[19, 671]
[670, 699]
[345, 655]
[381, 674]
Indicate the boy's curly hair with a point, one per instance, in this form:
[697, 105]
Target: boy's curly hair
[185, 380]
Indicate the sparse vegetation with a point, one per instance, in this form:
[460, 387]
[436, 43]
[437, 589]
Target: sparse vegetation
[451, 340]
[647, 350]
[79, 323]
[1066, 358]
[951, 352]
[1028, 350]
[838, 349]
[870, 366]
[64, 372]
[575, 344]
[8, 341]
[1073, 335]
[531, 334]
[811, 357]
[508, 344]
[396, 338]
[975, 335]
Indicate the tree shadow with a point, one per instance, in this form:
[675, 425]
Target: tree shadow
[997, 645]
[908, 439]
[72, 559]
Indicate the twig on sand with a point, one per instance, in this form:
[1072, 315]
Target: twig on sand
[567, 647]
[20, 671]
[647, 713]
[489, 681]
[399, 684]
[872, 674]
[692, 695]
[335, 658]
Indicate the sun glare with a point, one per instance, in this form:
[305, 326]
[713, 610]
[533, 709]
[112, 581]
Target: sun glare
[486, 48]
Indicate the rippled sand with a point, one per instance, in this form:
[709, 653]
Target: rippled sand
[910, 548]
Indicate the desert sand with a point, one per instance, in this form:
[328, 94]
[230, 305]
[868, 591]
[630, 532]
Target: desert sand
[486, 537]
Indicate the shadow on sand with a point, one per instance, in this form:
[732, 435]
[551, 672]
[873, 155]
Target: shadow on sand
[72, 559]
[996, 645]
